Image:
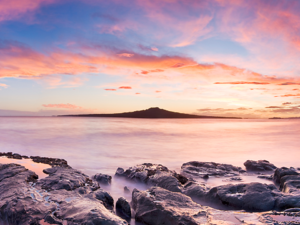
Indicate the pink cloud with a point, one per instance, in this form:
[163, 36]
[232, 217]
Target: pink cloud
[242, 82]
[14, 9]
[110, 89]
[128, 55]
[62, 106]
[125, 87]
[3, 85]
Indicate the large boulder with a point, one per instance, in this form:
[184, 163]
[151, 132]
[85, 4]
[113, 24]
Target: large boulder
[207, 169]
[102, 178]
[282, 172]
[160, 206]
[251, 196]
[154, 175]
[259, 166]
[123, 207]
[26, 200]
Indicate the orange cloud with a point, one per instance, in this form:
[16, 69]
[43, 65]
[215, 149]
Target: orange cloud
[125, 87]
[241, 82]
[289, 83]
[291, 95]
[62, 106]
[110, 89]
[128, 55]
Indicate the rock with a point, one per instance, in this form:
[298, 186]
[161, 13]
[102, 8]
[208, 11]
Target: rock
[292, 210]
[24, 201]
[63, 178]
[123, 207]
[87, 211]
[287, 201]
[154, 175]
[105, 197]
[283, 171]
[260, 165]
[207, 169]
[16, 156]
[195, 190]
[290, 184]
[50, 161]
[252, 196]
[160, 206]
[126, 189]
[270, 177]
[102, 178]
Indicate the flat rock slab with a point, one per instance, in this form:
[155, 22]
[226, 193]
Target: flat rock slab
[207, 169]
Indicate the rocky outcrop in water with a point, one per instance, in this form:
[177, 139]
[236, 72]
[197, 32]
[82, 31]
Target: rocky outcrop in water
[259, 166]
[102, 178]
[66, 195]
[123, 207]
[154, 175]
[160, 206]
[207, 169]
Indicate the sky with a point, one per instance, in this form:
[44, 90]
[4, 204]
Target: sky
[206, 57]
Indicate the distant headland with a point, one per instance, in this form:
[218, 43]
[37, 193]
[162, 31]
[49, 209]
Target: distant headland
[153, 113]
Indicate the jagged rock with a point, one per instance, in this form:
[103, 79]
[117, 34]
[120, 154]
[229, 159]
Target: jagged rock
[50, 161]
[24, 201]
[102, 178]
[63, 178]
[160, 206]
[283, 171]
[103, 196]
[123, 207]
[155, 175]
[206, 169]
[252, 196]
[260, 165]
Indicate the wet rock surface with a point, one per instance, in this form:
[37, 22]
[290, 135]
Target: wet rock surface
[260, 165]
[251, 196]
[65, 196]
[207, 169]
[160, 206]
[154, 175]
[102, 178]
[123, 208]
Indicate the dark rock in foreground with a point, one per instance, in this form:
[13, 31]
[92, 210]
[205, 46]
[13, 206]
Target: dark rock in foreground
[70, 197]
[260, 165]
[123, 207]
[251, 197]
[206, 169]
[160, 206]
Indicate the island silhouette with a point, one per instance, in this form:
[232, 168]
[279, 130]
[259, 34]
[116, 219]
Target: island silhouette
[153, 113]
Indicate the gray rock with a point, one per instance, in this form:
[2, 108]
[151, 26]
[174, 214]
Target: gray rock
[252, 196]
[123, 207]
[260, 165]
[63, 178]
[283, 171]
[154, 175]
[207, 169]
[24, 201]
[102, 178]
[160, 206]
[270, 177]
[195, 190]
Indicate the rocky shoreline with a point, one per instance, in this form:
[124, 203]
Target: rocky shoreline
[68, 196]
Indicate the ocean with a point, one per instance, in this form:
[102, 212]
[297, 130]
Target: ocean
[95, 145]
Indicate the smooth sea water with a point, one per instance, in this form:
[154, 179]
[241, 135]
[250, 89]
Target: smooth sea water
[101, 145]
[95, 145]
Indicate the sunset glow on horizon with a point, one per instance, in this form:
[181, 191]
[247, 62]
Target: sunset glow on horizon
[206, 57]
